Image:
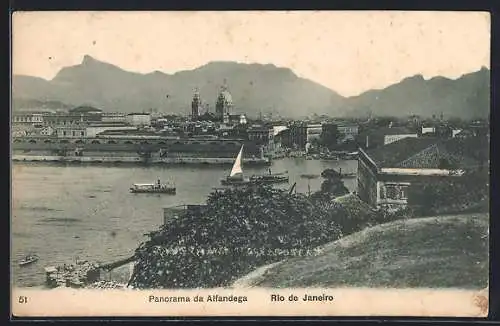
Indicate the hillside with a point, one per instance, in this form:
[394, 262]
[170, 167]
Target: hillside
[445, 252]
[254, 88]
[30, 104]
[466, 97]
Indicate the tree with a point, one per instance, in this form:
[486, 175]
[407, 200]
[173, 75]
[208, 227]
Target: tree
[329, 136]
[332, 186]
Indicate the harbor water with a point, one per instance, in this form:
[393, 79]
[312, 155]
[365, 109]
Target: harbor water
[63, 212]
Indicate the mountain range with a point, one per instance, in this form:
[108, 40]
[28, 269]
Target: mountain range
[255, 89]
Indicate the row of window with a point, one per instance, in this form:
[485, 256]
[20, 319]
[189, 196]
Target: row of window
[73, 133]
[394, 192]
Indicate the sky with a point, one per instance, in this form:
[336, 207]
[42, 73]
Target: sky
[349, 52]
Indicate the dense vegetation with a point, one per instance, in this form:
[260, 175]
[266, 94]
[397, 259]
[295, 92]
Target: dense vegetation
[467, 193]
[239, 230]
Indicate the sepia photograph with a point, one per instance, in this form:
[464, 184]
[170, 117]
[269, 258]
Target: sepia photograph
[203, 163]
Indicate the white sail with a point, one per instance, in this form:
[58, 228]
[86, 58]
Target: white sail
[237, 164]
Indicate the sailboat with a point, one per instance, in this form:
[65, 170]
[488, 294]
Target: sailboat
[236, 176]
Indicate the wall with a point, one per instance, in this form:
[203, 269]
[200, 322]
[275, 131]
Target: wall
[393, 138]
[139, 119]
[367, 180]
[71, 132]
[93, 131]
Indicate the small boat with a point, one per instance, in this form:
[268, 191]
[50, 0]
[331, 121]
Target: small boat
[30, 259]
[270, 178]
[236, 176]
[309, 176]
[154, 188]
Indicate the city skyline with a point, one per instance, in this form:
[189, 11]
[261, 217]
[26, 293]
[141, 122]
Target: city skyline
[427, 43]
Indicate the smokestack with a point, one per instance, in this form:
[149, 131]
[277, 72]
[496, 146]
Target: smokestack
[366, 144]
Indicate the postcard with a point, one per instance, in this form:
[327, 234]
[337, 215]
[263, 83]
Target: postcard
[253, 163]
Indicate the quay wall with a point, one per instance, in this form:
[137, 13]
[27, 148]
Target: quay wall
[132, 159]
[176, 150]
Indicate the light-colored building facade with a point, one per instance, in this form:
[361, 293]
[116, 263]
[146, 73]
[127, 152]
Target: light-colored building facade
[139, 119]
[94, 129]
[347, 132]
[113, 117]
[47, 131]
[27, 118]
[313, 132]
[394, 138]
[71, 131]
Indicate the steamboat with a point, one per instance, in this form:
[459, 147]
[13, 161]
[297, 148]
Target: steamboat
[155, 188]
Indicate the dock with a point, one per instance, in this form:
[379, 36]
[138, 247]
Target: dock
[81, 274]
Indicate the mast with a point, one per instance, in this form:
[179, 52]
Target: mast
[237, 164]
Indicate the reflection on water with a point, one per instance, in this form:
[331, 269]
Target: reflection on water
[63, 212]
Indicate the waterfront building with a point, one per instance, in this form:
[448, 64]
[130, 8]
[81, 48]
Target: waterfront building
[302, 133]
[86, 110]
[441, 130]
[347, 132]
[394, 134]
[313, 132]
[376, 137]
[139, 119]
[75, 131]
[22, 130]
[262, 135]
[208, 148]
[385, 174]
[27, 118]
[47, 131]
[77, 116]
[92, 130]
[297, 136]
[224, 104]
[234, 119]
[113, 117]
[427, 130]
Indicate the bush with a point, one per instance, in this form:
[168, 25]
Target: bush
[331, 187]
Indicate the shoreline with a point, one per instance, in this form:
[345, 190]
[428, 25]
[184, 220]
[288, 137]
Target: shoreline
[126, 160]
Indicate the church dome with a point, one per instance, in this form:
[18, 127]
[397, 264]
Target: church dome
[226, 96]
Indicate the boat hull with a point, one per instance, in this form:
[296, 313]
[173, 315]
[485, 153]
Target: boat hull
[25, 263]
[270, 180]
[153, 191]
[226, 182]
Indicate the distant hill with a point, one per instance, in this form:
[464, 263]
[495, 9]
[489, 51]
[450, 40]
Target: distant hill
[32, 105]
[255, 88]
[466, 97]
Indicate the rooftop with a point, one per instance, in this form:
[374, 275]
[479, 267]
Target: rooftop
[430, 153]
[84, 109]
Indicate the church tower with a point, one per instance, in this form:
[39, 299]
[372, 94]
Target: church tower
[195, 106]
[224, 103]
